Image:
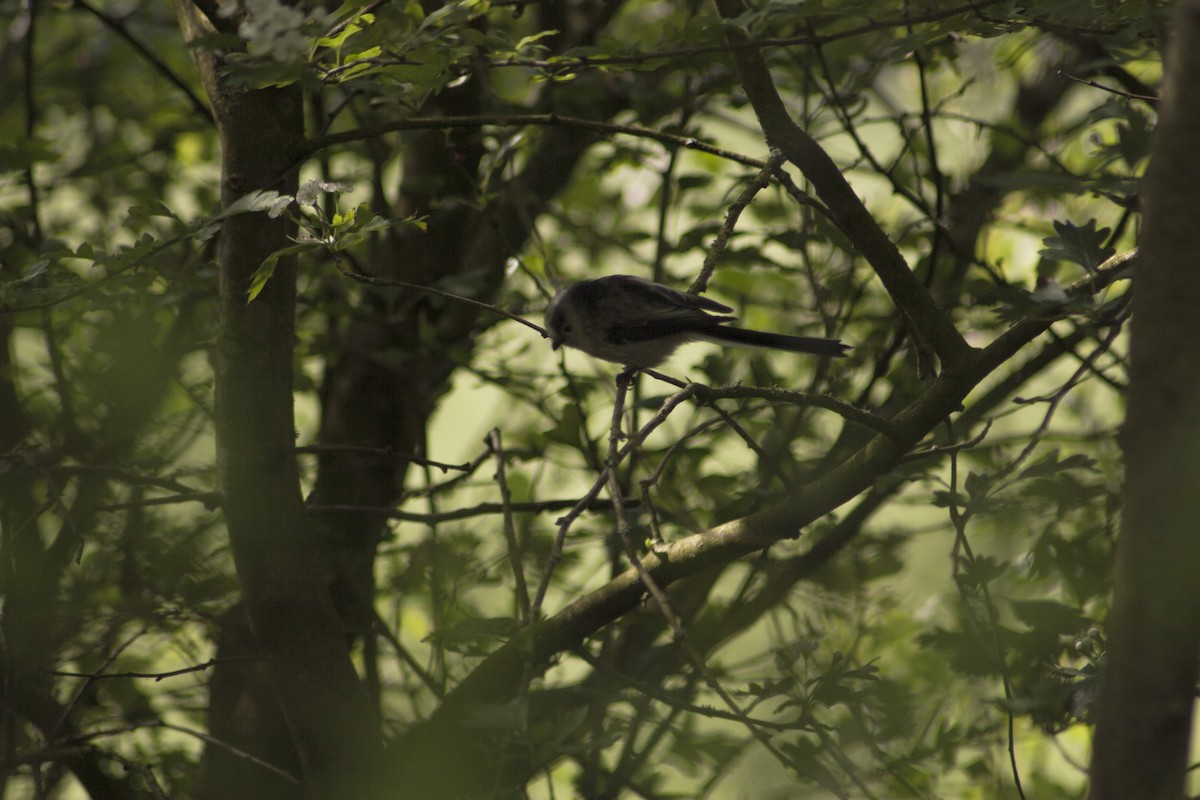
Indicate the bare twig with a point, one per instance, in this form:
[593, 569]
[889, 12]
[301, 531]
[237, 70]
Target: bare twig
[565, 522]
[118, 27]
[1149, 98]
[154, 676]
[948, 449]
[717, 249]
[661, 601]
[729, 420]
[479, 510]
[961, 553]
[926, 321]
[775, 395]
[496, 443]
[382, 629]
[381, 452]
[210, 500]
[78, 695]
[373, 281]
[201, 735]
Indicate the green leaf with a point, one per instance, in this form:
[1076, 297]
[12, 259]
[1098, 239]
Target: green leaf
[471, 634]
[262, 200]
[946, 499]
[982, 570]
[528, 40]
[378, 223]
[977, 484]
[1048, 615]
[344, 219]
[265, 270]
[1078, 244]
[143, 212]
[335, 42]
[1050, 465]
[364, 55]
[261, 275]
[1133, 139]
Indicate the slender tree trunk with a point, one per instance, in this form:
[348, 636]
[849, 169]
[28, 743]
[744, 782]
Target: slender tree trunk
[301, 673]
[1148, 684]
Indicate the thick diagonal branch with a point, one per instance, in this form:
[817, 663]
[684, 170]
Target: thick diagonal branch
[929, 322]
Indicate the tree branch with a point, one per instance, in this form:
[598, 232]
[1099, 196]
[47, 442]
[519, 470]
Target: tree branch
[927, 322]
[119, 28]
[500, 675]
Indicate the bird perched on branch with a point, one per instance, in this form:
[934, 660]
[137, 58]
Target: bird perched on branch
[631, 321]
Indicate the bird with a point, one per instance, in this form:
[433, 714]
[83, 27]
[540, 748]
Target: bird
[638, 323]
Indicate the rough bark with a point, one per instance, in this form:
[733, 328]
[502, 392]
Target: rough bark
[296, 639]
[370, 399]
[1148, 685]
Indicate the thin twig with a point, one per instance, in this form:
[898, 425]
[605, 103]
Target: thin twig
[382, 629]
[118, 27]
[1076, 378]
[373, 281]
[496, 443]
[946, 449]
[382, 452]
[1149, 98]
[735, 426]
[201, 735]
[78, 695]
[479, 510]
[661, 601]
[585, 502]
[842, 409]
[958, 519]
[154, 676]
[210, 500]
[721, 241]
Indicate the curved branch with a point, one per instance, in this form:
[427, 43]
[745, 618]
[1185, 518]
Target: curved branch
[500, 675]
[927, 322]
[776, 395]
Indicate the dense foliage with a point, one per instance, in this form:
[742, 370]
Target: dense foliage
[899, 578]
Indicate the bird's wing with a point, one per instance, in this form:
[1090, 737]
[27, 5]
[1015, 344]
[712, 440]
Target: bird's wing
[654, 311]
[664, 298]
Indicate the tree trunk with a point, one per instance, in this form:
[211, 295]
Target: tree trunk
[1148, 684]
[301, 675]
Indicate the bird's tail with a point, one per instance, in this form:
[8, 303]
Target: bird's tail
[779, 341]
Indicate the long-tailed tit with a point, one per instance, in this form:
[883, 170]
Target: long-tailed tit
[637, 323]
